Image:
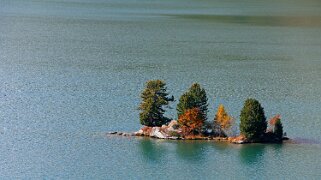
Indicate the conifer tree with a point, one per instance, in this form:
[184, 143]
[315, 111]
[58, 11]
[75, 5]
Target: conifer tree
[253, 121]
[154, 97]
[195, 97]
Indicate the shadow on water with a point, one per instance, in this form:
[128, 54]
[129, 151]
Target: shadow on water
[155, 150]
[304, 141]
[190, 150]
[251, 153]
[221, 146]
[151, 150]
[277, 147]
[313, 21]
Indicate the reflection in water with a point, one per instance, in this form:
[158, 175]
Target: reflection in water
[277, 150]
[257, 20]
[190, 150]
[221, 146]
[155, 150]
[251, 153]
[305, 140]
[277, 147]
[150, 150]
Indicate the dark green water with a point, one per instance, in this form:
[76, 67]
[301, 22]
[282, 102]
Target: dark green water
[72, 70]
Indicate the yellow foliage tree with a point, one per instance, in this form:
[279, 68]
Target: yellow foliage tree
[222, 120]
[191, 121]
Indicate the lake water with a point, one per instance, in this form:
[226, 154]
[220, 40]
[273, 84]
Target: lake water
[72, 70]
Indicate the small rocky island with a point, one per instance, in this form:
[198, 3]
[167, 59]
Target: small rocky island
[192, 122]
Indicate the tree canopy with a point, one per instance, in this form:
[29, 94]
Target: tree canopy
[192, 110]
[222, 120]
[154, 97]
[195, 97]
[253, 121]
[278, 129]
[191, 121]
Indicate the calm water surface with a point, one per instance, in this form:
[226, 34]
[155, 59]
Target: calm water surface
[71, 70]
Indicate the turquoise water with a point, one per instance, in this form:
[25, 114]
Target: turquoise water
[70, 71]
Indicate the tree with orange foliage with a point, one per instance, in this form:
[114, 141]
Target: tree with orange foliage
[191, 121]
[222, 121]
[274, 119]
[276, 126]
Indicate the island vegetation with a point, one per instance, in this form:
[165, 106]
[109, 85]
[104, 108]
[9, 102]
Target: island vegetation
[192, 121]
[154, 97]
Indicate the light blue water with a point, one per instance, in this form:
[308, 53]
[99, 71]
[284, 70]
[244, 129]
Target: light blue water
[72, 70]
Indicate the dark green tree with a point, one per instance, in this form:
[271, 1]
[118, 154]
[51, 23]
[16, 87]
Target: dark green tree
[253, 121]
[154, 97]
[195, 97]
[278, 129]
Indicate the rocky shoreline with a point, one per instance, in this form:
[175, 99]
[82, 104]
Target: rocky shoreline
[172, 132]
[234, 140]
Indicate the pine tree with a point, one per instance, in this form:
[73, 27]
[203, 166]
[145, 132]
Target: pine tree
[195, 97]
[154, 97]
[253, 121]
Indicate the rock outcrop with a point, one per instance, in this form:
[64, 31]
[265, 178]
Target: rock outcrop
[238, 140]
[170, 131]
